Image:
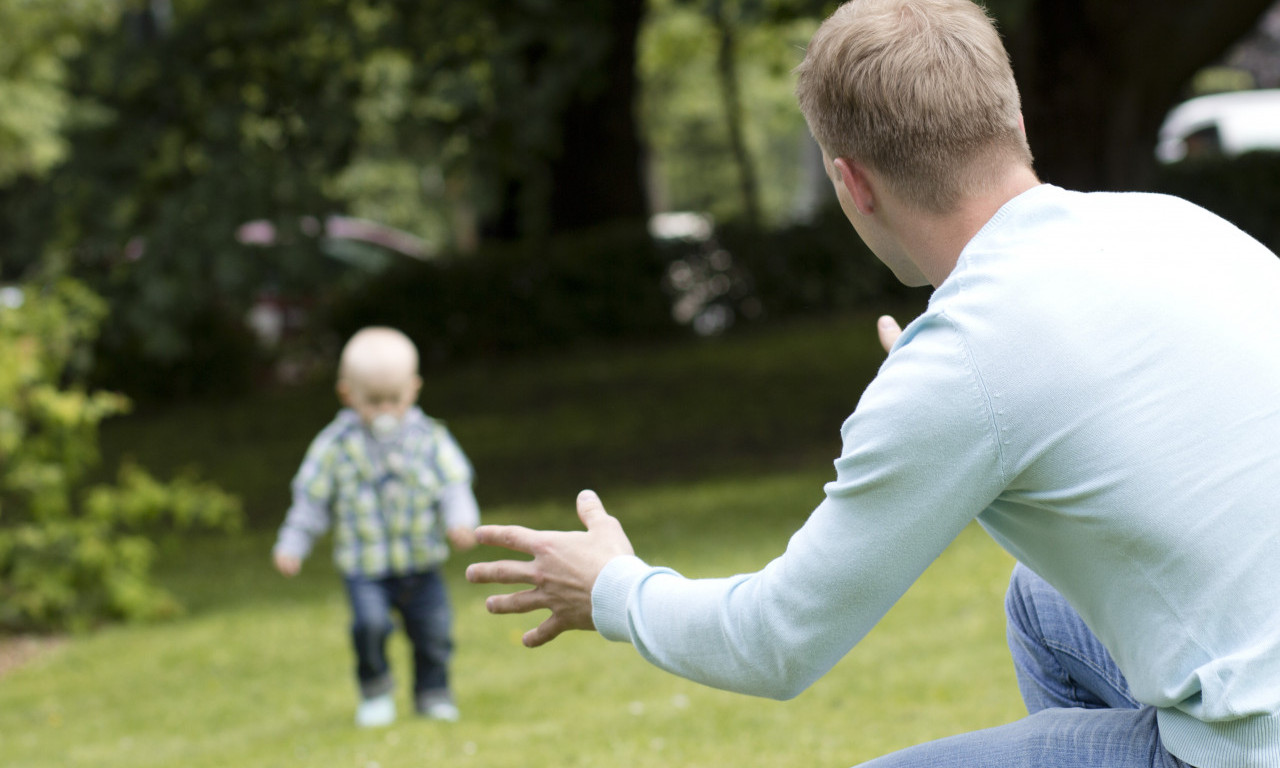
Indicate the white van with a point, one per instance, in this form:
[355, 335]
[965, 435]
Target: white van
[1222, 124]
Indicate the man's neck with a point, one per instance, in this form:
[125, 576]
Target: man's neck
[935, 241]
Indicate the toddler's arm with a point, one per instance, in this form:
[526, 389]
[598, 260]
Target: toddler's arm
[461, 514]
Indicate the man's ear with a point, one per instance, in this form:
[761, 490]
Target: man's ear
[857, 183]
[344, 392]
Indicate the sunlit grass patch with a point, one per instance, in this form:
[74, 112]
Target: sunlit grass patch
[261, 675]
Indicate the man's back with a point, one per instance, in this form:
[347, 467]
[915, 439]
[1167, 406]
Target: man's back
[1129, 349]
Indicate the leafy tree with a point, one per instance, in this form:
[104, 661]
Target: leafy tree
[526, 105]
[38, 38]
[233, 111]
[69, 561]
[225, 113]
[694, 55]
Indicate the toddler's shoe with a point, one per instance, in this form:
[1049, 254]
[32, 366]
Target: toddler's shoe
[438, 706]
[376, 712]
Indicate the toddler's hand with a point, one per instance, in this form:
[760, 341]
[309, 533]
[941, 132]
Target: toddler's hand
[287, 564]
[461, 538]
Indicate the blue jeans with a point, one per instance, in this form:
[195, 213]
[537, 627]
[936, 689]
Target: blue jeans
[423, 604]
[1081, 712]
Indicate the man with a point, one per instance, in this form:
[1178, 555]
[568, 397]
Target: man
[1096, 381]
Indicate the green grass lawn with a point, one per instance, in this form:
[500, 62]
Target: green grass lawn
[543, 428]
[678, 442]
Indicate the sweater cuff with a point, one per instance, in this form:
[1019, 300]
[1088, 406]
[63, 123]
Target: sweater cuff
[293, 543]
[458, 506]
[609, 596]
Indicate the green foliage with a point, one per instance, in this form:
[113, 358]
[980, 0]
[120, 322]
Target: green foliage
[191, 123]
[616, 283]
[224, 113]
[47, 433]
[39, 36]
[684, 118]
[223, 361]
[817, 267]
[65, 564]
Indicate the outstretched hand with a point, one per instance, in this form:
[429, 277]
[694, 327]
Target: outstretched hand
[563, 570]
[888, 330]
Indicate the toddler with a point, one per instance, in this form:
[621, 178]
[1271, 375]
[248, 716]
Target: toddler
[398, 490]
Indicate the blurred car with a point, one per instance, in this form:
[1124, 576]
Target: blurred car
[1221, 125]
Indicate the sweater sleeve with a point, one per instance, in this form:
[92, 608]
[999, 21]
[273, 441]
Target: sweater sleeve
[920, 460]
[308, 515]
[458, 506]
[453, 465]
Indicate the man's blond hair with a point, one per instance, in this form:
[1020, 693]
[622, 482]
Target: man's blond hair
[920, 91]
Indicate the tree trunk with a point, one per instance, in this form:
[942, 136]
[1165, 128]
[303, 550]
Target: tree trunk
[1098, 76]
[727, 75]
[598, 175]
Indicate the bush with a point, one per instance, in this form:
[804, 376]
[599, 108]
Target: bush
[67, 565]
[221, 362]
[617, 283]
[597, 285]
[1244, 190]
[820, 266]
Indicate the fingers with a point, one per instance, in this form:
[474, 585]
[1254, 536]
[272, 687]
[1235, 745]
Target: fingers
[563, 570]
[888, 330]
[544, 633]
[501, 572]
[516, 602]
[514, 537]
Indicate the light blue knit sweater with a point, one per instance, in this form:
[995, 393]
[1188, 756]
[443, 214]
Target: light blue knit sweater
[1098, 384]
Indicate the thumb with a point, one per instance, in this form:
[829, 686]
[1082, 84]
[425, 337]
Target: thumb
[603, 528]
[888, 330]
[590, 509]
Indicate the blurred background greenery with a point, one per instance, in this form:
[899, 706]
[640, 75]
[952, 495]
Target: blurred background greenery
[246, 183]
[603, 222]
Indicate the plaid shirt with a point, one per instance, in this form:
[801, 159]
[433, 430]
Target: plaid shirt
[389, 500]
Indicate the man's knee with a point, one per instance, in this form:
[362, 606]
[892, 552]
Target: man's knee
[1019, 600]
